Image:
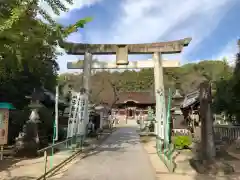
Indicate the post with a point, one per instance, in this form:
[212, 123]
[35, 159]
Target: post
[1, 158]
[53, 143]
[45, 164]
[86, 82]
[56, 113]
[160, 97]
[168, 119]
[207, 133]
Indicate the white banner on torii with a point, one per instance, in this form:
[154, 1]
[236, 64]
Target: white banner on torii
[81, 118]
[78, 115]
[73, 111]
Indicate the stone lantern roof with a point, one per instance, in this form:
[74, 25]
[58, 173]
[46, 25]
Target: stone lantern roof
[177, 95]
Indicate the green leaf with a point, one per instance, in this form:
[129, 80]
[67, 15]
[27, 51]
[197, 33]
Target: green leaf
[84, 21]
[79, 24]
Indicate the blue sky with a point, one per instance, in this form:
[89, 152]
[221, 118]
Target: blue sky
[212, 24]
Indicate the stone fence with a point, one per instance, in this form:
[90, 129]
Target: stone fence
[230, 132]
[226, 132]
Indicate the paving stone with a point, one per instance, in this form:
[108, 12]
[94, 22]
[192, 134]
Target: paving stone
[121, 156]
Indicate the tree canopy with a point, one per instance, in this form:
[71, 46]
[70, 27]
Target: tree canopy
[28, 48]
[227, 96]
[187, 78]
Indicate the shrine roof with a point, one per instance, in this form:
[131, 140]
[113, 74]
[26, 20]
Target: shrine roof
[137, 97]
[190, 99]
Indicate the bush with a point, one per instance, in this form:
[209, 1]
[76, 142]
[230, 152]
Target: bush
[182, 142]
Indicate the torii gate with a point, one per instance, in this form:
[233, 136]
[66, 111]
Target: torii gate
[122, 51]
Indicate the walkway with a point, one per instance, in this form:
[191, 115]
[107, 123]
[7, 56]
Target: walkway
[120, 157]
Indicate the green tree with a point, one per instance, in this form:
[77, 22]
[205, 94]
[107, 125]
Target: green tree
[27, 56]
[187, 78]
[18, 9]
[227, 98]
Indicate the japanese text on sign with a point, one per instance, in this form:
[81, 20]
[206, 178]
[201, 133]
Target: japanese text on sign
[3, 127]
[73, 114]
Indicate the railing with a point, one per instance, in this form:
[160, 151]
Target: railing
[227, 131]
[68, 144]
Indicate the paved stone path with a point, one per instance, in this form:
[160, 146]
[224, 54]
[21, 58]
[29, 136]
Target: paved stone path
[120, 157]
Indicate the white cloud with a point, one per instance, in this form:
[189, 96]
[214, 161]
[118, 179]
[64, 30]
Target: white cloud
[229, 52]
[64, 58]
[145, 21]
[74, 37]
[77, 4]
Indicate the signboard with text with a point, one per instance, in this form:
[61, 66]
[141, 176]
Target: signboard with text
[72, 120]
[4, 126]
[81, 115]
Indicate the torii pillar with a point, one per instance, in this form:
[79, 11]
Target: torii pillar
[122, 51]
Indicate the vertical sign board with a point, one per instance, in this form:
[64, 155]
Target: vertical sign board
[81, 110]
[76, 113]
[72, 120]
[4, 113]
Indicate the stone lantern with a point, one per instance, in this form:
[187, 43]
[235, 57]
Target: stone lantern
[176, 112]
[34, 118]
[177, 99]
[27, 143]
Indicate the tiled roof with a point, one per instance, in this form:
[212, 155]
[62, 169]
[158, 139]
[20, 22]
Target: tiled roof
[190, 99]
[137, 97]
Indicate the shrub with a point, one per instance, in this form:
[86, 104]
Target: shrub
[182, 142]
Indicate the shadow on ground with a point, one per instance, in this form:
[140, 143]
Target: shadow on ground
[7, 162]
[226, 165]
[117, 142]
[22, 178]
[207, 177]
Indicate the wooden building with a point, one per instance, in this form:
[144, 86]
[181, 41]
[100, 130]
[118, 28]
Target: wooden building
[131, 104]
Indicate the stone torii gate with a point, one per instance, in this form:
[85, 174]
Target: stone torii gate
[122, 51]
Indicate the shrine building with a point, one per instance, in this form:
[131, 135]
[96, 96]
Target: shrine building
[130, 104]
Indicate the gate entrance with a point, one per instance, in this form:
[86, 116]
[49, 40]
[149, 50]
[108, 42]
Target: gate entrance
[122, 51]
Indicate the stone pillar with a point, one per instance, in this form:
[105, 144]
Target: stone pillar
[160, 96]
[86, 82]
[207, 133]
[101, 120]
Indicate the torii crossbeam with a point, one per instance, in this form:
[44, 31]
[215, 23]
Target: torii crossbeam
[141, 64]
[122, 50]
